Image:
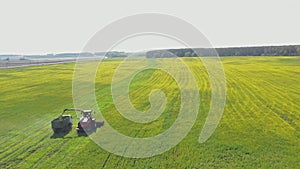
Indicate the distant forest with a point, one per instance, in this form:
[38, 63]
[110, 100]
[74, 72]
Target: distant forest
[292, 50]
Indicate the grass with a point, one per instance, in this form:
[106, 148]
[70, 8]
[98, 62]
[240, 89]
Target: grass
[260, 127]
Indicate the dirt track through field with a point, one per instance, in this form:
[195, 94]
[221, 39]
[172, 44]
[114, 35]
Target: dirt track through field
[16, 64]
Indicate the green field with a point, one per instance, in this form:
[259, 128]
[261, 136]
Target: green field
[260, 127]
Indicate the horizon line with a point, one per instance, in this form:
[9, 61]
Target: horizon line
[146, 50]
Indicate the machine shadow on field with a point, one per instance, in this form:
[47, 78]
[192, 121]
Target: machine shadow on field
[59, 135]
[63, 134]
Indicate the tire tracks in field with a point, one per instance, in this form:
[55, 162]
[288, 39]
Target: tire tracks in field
[36, 149]
[23, 147]
[16, 157]
[271, 87]
[154, 79]
[46, 154]
[21, 140]
[247, 87]
[19, 136]
[238, 97]
[72, 151]
[245, 94]
[15, 135]
[277, 99]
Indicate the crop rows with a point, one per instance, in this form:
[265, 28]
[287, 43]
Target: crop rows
[260, 126]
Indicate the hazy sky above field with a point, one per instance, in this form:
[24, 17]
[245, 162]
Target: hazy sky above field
[55, 26]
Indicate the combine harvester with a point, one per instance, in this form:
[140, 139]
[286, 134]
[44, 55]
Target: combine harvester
[86, 125]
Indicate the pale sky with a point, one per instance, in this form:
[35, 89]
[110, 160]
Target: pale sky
[56, 26]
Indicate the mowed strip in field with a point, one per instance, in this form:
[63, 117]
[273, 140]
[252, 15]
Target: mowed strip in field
[260, 127]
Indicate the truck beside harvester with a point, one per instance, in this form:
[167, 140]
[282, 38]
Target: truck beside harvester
[86, 124]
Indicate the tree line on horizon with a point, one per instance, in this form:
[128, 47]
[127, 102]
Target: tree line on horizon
[292, 50]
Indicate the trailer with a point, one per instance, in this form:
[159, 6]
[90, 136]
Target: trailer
[62, 124]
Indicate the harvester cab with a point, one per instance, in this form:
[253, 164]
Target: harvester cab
[87, 113]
